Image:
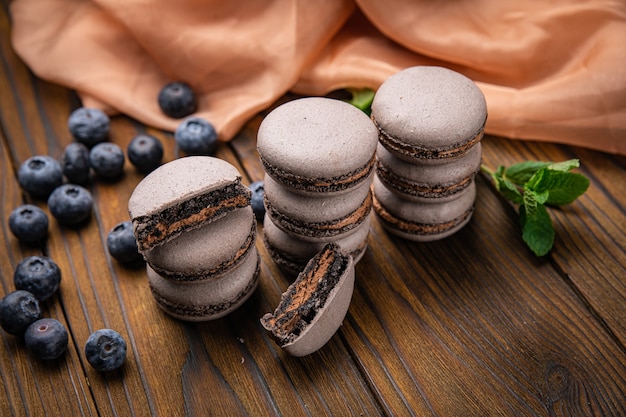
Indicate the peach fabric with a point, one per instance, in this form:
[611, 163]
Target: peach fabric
[552, 70]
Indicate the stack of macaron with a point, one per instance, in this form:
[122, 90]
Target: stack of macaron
[195, 227]
[430, 121]
[319, 155]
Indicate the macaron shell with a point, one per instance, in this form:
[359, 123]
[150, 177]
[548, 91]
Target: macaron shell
[179, 180]
[208, 249]
[316, 138]
[206, 299]
[327, 320]
[315, 208]
[419, 180]
[422, 221]
[292, 254]
[322, 231]
[430, 107]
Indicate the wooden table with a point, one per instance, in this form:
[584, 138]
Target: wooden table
[472, 325]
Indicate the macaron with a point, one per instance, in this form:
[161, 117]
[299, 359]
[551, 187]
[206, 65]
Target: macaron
[210, 298]
[314, 305]
[182, 195]
[317, 218]
[429, 113]
[426, 221]
[317, 145]
[291, 254]
[418, 181]
[208, 250]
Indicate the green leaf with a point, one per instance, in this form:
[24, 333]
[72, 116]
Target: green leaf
[521, 172]
[565, 165]
[362, 98]
[537, 230]
[509, 190]
[562, 187]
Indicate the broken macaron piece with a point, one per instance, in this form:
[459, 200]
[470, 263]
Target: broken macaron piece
[314, 305]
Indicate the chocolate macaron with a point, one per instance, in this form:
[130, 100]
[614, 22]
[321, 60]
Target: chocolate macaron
[317, 218]
[419, 180]
[429, 113]
[425, 221]
[317, 145]
[184, 194]
[314, 306]
[209, 298]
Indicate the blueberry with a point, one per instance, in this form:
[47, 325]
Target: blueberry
[75, 163]
[39, 175]
[29, 223]
[177, 100]
[38, 275]
[105, 350]
[107, 160]
[89, 126]
[145, 152]
[122, 245]
[258, 194]
[70, 204]
[46, 339]
[18, 310]
[196, 136]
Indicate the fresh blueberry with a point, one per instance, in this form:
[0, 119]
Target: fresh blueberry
[29, 223]
[196, 136]
[18, 310]
[105, 350]
[46, 339]
[258, 194]
[70, 204]
[89, 126]
[107, 160]
[39, 175]
[75, 163]
[39, 275]
[145, 152]
[177, 100]
[122, 245]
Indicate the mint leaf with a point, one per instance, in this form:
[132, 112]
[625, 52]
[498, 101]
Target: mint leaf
[534, 184]
[362, 98]
[562, 187]
[537, 230]
[565, 165]
[521, 172]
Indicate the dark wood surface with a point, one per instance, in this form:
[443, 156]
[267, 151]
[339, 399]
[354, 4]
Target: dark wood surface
[472, 325]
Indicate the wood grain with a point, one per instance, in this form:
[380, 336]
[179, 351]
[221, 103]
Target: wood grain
[471, 325]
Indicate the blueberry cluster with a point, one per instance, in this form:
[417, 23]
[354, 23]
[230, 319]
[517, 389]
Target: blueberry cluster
[37, 279]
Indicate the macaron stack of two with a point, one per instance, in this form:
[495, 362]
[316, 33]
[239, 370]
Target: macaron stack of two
[195, 227]
[430, 121]
[319, 155]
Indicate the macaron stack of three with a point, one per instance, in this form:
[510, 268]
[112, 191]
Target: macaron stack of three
[195, 227]
[318, 154]
[430, 121]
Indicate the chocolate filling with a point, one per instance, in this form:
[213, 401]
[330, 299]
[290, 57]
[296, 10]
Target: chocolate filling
[307, 295]
[322, 229]
[151, 230]
[416, 228]
[396, 145]
[201, 274]
[321, 185]
[417, 189]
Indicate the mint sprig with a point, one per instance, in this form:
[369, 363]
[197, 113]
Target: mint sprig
[362, 98]
[533, 185]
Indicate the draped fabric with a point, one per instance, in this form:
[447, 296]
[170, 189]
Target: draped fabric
[552, 70]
